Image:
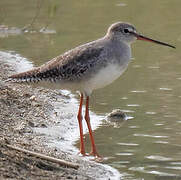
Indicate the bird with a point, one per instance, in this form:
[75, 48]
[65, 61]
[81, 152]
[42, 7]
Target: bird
[89, 67]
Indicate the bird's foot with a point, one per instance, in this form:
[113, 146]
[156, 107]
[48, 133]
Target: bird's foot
[82, 153]
[94, 153]
[97, 158]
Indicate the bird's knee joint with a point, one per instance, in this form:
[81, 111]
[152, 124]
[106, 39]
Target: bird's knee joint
[79, 117]
[87, 118]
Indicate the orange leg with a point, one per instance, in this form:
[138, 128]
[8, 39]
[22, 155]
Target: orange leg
[79, 117]
[87, 118]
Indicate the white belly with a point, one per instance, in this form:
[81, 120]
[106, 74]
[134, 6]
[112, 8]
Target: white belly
[104, 77]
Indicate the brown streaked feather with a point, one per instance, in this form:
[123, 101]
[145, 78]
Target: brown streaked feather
[27, 76]
[72, 65]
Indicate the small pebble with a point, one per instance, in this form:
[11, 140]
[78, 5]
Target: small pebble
[42, 125]
[31, 124]
[33, 98]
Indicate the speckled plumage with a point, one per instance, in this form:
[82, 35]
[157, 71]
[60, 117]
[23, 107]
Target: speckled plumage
[67, 67]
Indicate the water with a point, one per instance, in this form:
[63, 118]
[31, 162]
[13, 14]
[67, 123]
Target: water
[147, 146]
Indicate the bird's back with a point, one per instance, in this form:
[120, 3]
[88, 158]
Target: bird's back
[70, 66]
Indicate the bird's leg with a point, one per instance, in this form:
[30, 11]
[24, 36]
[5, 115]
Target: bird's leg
[79, 117]
[87, 118]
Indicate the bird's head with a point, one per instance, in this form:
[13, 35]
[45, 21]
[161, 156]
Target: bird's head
[127, 33]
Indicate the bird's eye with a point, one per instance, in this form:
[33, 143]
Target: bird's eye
[126, 31]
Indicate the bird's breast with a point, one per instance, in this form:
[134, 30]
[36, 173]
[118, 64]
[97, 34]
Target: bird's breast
[103, 77]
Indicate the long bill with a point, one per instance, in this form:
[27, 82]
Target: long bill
[141, 37]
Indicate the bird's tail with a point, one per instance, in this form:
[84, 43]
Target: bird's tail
[33, 76]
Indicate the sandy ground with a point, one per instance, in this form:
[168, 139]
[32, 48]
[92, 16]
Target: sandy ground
[24, 108]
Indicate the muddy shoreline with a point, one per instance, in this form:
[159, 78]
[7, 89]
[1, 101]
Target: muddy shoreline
[24, 108]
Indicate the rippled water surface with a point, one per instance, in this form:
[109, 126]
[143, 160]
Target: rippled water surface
[147, 146]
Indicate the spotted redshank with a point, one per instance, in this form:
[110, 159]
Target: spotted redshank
[88, 67]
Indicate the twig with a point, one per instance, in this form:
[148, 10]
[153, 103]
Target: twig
[48, 158]
[38, 7]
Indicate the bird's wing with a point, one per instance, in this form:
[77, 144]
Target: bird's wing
[69, 66]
